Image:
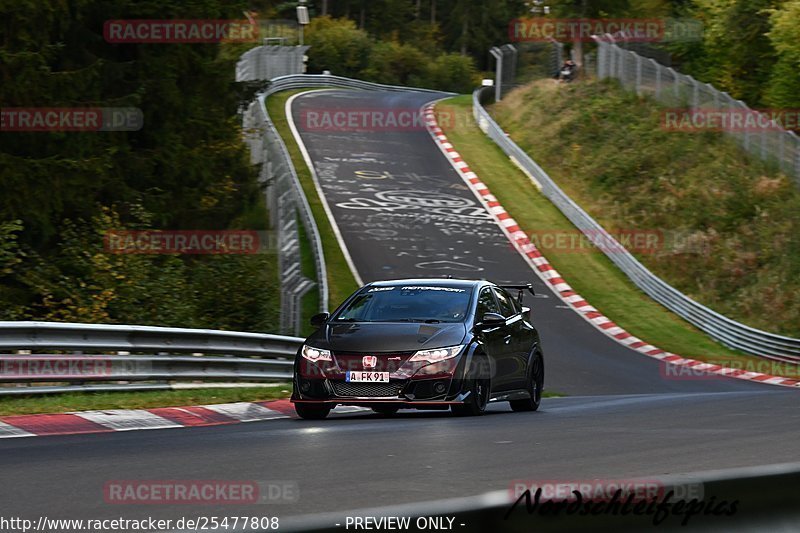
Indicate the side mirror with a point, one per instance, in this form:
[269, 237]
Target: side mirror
[319, 319]
[490, 320]
[526, 311]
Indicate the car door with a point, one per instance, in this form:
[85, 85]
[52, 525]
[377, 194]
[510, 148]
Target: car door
[517, 339]
[495, 341]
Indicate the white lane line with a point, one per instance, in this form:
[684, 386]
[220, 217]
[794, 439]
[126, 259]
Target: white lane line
[310, 164]
[127, 419]
[245, 411]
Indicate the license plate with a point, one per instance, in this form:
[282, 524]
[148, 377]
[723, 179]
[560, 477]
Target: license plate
[368, 377]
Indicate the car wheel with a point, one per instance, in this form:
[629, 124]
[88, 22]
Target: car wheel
[478, 399]
[386, 410]
[534, 386]
[312, 411]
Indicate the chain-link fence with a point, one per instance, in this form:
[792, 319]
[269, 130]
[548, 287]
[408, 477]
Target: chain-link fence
[505, 58]
[522, 62]
[723, 329]
[768, 140]
[270, 61]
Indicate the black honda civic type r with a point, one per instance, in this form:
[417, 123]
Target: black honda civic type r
[422, 344]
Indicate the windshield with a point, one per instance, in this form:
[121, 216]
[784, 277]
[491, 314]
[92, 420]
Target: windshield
[407, 303]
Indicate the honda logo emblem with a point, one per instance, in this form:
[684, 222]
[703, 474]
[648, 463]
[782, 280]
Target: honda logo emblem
[369, 361]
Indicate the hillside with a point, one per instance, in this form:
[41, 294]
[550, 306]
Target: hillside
[730, 224]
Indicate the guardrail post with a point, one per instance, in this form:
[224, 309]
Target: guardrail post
[638, 74]
[657, 68]
[676, 83]
[797, 159]
[498, 77]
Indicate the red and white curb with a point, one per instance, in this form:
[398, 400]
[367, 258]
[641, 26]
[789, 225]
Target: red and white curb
[550, 275]
[154, 418]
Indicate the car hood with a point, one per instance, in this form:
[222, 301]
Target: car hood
[387, 337]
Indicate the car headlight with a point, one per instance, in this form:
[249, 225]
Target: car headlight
[315, 354]
[438, 354]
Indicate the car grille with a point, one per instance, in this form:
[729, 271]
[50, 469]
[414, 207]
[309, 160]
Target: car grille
[371, 390]
[385, 362]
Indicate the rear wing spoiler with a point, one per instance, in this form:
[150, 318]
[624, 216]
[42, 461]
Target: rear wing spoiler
[521, 288]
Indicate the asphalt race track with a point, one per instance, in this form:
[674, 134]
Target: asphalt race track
[385, 189]
[403, 211]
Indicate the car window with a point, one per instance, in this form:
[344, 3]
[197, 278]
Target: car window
[408, 303]
[507, 307]
[486, 304]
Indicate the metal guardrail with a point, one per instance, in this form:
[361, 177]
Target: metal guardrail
[310, 81]
[248, 356]
[224, 355]
[723, 329]
[283, 203]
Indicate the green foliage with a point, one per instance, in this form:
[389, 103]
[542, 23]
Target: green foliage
[732, 234]
[185, 169]
[81, 281]
[784, 84]
[454, 72]
[337, 45]
[394, 63]
[738, 54]
[749, 49]
[9, 247]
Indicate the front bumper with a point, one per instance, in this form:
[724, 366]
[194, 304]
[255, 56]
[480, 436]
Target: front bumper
[404, 393]
[411, 384]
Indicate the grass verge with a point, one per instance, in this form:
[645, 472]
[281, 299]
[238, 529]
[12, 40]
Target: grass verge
[340, 280]
[729, 222]
[590, 273]
[87, 401]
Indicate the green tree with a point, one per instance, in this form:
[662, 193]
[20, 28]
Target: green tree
[738, 55]
[337, 45]
[453, 72]
[396, 64]
[783, 90]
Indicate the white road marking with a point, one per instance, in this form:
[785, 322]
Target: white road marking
[7, 431]
[127, 419]
[245, 411]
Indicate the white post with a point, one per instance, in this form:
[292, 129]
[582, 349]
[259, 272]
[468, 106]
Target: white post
[658, 78]
[498, 77]
[638, 73]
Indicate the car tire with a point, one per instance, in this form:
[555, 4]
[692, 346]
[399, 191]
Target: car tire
[312, 411]
[534, 386]
[480, 389]
[386, 410]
